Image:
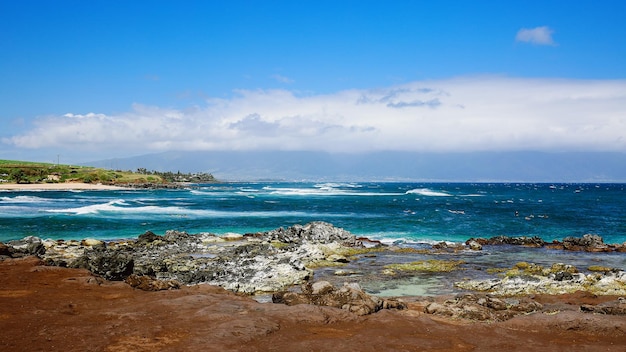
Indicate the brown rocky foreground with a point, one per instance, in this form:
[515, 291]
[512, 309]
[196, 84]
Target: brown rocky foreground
[46, 308]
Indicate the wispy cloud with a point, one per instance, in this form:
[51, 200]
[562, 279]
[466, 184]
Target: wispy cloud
[282, 79]
[537, 35]
[465, 114]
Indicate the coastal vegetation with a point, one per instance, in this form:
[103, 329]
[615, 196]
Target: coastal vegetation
[14, 171]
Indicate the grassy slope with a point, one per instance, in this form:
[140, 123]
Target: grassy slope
[14, 171]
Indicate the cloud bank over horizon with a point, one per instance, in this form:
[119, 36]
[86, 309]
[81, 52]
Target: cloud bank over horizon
[489, 113]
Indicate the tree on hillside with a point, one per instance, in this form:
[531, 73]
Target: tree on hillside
[17, 175]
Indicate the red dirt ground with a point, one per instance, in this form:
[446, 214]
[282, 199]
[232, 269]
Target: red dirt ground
[56, 309]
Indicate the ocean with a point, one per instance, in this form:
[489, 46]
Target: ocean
[403, 213]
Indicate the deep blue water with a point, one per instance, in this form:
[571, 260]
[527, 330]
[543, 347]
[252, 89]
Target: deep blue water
[412, 212]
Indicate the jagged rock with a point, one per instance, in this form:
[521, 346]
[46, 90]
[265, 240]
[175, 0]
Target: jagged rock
[528, 278]
[474, 245]
[148, 237]
[617, 307]
[147, 283]
[177, 236]
[30, 245]
[316, 232]
[319, 288]
[516, 241]
[5, 250]
[563, 276]
[90, 242]
[483, 307]
[242, 266]
[448, 247]
[349, 297]
[588, 243]
[112, 265]
[259, 270]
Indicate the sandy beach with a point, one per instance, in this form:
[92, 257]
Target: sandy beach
[56, 186]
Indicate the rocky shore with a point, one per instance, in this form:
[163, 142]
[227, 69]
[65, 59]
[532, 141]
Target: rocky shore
[252, 263]
[48, 308]
[281, 259]
[318, 264]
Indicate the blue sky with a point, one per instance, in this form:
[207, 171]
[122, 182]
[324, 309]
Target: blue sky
[100, 79]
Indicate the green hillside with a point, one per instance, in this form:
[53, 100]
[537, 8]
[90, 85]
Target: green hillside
[12, 171]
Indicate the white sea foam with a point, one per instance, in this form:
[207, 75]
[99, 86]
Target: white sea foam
[404, 241]
[23, 199]
[322, 191]
[219, 193]
[428, 192]
[90, 209]
[337, 185]
[305, 191]
[13, 211]
[201, 193]
[121, 207]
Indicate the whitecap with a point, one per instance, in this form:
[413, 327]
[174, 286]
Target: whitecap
[23, 199]
[416, 242]
[90, 209]
[337, 185]
[322, 191]
[121, 208]
[305, 191]
[428, 192]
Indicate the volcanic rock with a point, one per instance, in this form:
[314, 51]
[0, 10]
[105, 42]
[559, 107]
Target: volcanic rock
[349, 297]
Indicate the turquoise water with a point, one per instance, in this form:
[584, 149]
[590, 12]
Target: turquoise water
[407, 212]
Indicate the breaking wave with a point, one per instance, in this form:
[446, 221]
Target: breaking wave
[23, 199]
[428, 192]
[121, 207]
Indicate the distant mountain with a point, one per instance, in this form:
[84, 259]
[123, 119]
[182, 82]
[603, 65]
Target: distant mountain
[386, 166]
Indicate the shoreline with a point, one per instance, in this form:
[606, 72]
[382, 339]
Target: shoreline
[57, 186]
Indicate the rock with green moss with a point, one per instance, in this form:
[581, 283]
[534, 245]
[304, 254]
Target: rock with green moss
[600, 268]
[432, 265]
[528, 278]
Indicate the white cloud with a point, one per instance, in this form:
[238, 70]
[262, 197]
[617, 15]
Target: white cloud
[465, 114]
[282, 79]
[537, 35]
